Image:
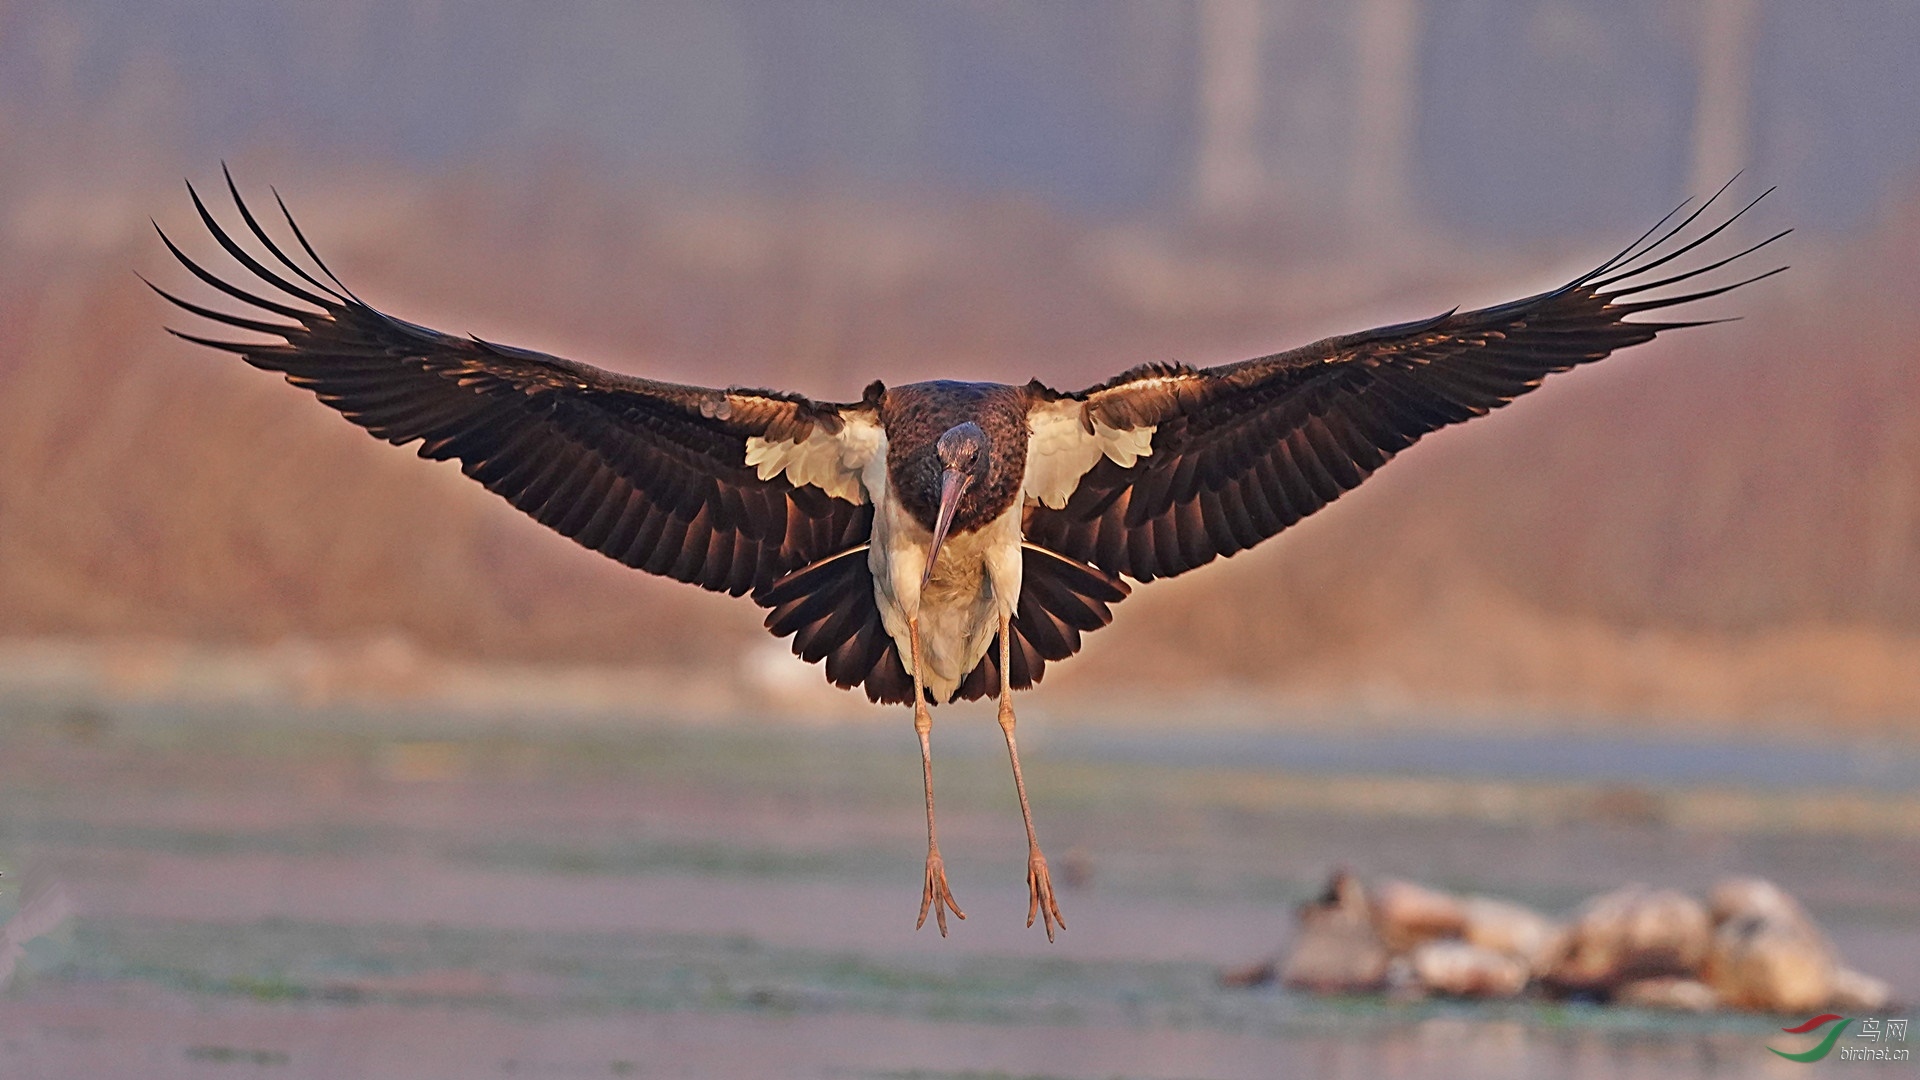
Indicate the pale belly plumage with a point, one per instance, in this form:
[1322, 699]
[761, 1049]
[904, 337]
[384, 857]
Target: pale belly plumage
[976, 578]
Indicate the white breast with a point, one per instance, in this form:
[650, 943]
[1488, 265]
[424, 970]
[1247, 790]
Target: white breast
[977, 577]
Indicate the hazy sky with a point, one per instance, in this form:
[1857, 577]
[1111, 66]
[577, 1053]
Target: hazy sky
[1530, 116]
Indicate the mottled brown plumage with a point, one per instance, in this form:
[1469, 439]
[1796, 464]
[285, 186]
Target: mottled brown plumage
[831, 514]
[917, 414]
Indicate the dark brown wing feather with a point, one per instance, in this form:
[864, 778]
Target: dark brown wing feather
[1245, 450]
[650, 473]
[829, 610]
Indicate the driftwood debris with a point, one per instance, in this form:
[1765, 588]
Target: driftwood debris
[1749, 945]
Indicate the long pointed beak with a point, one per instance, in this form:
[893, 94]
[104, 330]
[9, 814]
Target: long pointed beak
[953, 484]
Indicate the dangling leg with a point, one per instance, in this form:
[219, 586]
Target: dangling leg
[936, 895]
[1039, 882]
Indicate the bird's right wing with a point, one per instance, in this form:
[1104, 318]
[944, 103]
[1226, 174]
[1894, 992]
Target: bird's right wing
[1224, 457]
[656, 475]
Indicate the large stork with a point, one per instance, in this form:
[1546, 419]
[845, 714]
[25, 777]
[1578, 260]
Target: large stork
[938, 540]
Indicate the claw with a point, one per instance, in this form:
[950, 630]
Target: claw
[1040, 894]
[937, 896]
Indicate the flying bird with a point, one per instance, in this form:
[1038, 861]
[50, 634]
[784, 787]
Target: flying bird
[937, 540]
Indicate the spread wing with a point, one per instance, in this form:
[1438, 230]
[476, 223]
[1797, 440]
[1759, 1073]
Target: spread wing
[1242, 451]
[653, 474]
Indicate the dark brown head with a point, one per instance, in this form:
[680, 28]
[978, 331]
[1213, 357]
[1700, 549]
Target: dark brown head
[956, 452]
[963, 450]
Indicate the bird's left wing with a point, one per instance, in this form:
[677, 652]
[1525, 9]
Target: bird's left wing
[1225, 457]
[726, 489]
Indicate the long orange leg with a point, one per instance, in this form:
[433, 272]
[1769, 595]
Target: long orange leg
[1039, 882]
[936, 894]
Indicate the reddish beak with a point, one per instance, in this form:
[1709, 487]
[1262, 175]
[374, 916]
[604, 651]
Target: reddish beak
[953, 484]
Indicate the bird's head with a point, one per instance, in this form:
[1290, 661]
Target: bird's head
[963, 463]
[963, 450]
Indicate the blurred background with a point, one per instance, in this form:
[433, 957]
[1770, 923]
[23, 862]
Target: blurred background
[1724, 524]
[256, 666]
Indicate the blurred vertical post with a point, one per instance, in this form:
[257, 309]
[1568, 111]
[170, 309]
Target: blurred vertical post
[1386, 64]
[1723, 101]
[1228, 176]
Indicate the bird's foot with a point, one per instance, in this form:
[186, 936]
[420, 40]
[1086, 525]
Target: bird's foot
[1040, 893]
[937, 896]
